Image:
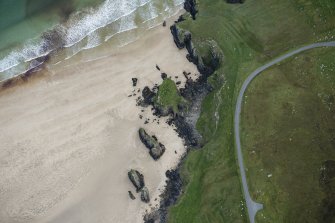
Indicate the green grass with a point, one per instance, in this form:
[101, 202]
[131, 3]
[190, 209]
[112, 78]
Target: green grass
[288, 133]
[168, 96]
[249, 35]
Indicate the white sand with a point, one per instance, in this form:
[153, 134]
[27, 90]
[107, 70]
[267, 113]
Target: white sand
[68, 139]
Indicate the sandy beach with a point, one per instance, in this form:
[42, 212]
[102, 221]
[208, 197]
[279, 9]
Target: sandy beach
[69, 137]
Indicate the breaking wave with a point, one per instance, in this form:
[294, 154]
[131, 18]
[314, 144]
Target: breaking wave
[86, 29]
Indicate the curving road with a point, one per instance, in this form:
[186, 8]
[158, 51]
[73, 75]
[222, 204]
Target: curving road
[252, 206]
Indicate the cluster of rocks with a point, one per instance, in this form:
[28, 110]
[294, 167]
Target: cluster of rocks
[156, 149]
[194, 92]
[138, 181]
[148, 96]
[183, 39]
[134, 80]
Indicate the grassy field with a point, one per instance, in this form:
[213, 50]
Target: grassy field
[249, 35]
[288, 132]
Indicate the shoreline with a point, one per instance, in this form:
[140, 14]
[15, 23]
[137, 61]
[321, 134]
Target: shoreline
[42, 86]
[54, 43]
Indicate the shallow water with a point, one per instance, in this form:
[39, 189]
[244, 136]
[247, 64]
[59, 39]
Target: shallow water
[38, 28]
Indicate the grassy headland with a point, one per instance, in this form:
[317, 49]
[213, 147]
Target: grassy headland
[249, 35]
[168, 97]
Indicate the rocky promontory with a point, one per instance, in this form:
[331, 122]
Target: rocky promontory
[206, 57]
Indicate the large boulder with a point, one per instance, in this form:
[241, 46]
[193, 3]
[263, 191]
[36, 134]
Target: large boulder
[146, 139]
[145, 195]
[137, 179]
[156, 149]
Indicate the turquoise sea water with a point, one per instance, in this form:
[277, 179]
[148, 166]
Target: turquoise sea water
[32, 29]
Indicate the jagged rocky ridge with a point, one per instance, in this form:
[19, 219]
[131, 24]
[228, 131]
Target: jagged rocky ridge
[206, 64]
[190, 6]
[194, 92]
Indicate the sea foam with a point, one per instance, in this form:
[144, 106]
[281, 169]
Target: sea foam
[86, 29]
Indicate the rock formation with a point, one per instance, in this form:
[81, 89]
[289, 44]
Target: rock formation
[137, 179]
[131, 195]
[206, 63]
[156, 149]
[134, 81]
[145, 195]
[147, 95]
[190, 6]
[164, 76]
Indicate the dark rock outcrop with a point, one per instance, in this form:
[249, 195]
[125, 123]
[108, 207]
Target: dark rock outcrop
[235, 1]
[134, 81]
[147, 140]
[194, 91]
[180, 19]
[156, 149]
[190, 6]
[172, 191]
[131, 195]
[164, 76]
[173, 187]
[162, 111]
[145, 195]
[147, 95]
[178, 36]
[137, 179]
[206, 64]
